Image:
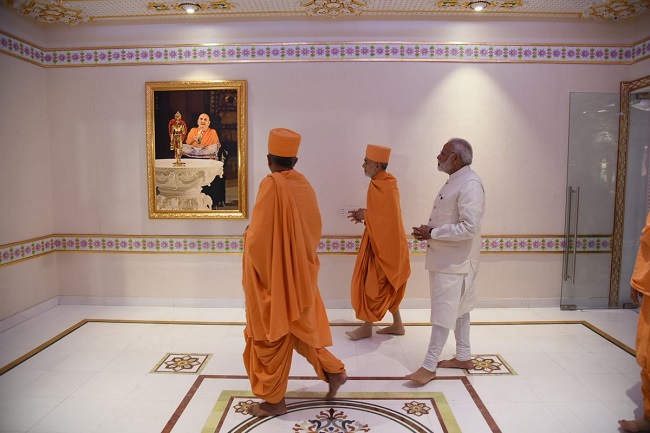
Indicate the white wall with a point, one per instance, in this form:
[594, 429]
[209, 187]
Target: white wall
[519, 132]
[89, 144]
[638, 70]
[25, 164]
[25, 182]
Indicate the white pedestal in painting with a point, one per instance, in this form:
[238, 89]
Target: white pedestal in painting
[179, 187]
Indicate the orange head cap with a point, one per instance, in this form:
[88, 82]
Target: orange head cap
[283, 142]
[378, 153]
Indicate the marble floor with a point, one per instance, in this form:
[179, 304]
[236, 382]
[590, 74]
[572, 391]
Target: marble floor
[99, 369]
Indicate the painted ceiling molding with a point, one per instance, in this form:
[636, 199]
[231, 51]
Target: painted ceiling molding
[116, 11]
[334, 8]
[615, 9]
[307, 52]
[29, 249]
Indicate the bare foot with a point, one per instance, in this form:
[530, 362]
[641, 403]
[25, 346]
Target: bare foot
[454, 363]
[637, 425]
[335, 380]
[268, 409]
[422, 376]
[363, 331]
[393, 330]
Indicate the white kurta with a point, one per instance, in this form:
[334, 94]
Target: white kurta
[455, 245]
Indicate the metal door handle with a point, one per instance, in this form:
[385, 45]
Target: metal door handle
[575, 236]
[567, 229]
[567, 234]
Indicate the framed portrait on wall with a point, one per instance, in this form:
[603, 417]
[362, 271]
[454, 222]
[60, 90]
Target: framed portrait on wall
[197, 149]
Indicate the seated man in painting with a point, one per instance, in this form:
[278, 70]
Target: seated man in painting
[202, 141]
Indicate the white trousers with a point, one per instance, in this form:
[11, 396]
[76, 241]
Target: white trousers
[438, 339]
[452, 297]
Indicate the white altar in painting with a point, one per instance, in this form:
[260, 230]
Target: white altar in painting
[179, 187]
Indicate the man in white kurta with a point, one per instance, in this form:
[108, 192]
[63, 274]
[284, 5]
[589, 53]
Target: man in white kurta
[453, 236]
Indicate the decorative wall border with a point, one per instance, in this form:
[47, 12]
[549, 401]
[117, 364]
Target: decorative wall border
[307, 52]
[12, 253]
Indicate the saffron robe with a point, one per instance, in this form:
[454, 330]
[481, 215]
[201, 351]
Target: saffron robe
[383, 265]
[208, 148]
[641, 282]
[209, 137]
[284, 308]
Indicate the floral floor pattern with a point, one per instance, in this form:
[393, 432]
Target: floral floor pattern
[156, 375]
[446, 405]
[490, 364]
[182, 363]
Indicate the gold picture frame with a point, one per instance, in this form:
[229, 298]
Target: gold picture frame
[626, 89]
[184, 179]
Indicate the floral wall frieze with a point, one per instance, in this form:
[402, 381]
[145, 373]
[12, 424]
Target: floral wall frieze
[347, 51]
[12, 253]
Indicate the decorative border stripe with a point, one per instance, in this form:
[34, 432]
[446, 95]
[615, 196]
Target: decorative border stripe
[347, 51]
[12, 253]
[545, 244]
[25, 250]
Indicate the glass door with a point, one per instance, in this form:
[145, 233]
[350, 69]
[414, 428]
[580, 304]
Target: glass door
[590, 198]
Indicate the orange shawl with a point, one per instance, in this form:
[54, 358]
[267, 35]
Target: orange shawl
[280, 264]
[209, 137]
[383, 264]
[641, 274]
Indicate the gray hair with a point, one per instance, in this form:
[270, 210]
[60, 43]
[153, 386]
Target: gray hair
[463, 149]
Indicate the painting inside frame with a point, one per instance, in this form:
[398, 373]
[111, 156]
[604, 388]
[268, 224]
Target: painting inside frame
[197, 149]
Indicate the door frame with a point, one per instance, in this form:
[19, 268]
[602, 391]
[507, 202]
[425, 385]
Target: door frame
[626, 89]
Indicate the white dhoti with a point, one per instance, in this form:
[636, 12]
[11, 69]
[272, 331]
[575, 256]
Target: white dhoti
[452, 295]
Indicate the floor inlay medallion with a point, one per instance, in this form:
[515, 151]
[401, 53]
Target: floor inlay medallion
[447, 405]
[353, 412]
[182, 363]
[490, 364]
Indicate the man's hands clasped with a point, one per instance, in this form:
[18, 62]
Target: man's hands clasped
[422, 233]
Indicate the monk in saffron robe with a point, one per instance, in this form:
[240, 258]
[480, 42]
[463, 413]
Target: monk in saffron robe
[284, 309]
[383, 265]
[640, 288]
[203, 142]
[202, 135]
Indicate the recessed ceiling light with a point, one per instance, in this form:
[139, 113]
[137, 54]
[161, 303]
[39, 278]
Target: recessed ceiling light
[478, 5]
[190, 8]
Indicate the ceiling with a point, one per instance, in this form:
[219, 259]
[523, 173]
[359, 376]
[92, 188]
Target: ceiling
[88, 12]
